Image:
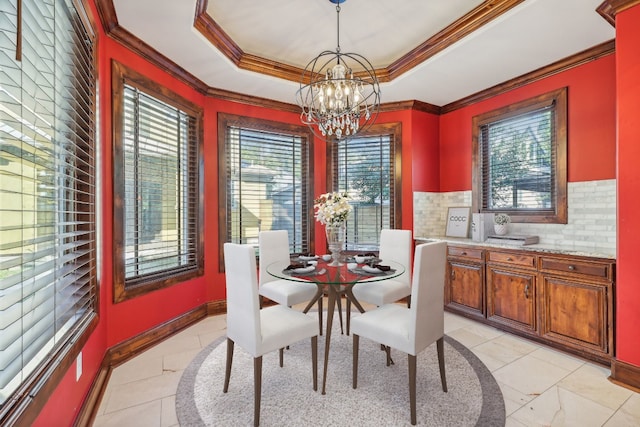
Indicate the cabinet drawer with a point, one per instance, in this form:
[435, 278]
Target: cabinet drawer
[601, 270]
[468, 253]
[511, 258]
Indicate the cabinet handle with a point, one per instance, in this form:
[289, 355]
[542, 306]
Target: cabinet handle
[526, 291]
[453, 274]
[571, 267]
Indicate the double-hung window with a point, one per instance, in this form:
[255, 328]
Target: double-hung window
[157, 186]
[47, 198]
[520, 160]
[266, 181]
[367, 167]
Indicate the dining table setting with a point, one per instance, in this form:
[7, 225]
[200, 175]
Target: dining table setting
[335, 281]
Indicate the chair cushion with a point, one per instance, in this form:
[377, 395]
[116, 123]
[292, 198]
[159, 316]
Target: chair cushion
[282, 326]
[380, 293]
[288, 293]
[388, 325]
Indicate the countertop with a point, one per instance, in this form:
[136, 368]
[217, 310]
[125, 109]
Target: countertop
[538, 247]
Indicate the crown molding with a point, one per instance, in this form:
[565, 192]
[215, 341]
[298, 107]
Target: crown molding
[484, 13]
[415, 105]
[610, 8]
[228, 95]
[467, 24]
[113, 30]
[580, 58]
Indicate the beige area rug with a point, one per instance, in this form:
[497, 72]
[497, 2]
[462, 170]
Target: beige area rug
[381, 399]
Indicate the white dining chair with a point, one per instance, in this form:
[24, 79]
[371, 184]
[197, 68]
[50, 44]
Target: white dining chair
[273, 246]
[395, 245]
[259, 331]
[410, 329]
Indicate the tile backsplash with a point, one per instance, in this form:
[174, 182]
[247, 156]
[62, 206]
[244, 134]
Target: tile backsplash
[592, 216]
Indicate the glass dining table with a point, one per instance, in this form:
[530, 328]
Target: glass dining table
[335, 281]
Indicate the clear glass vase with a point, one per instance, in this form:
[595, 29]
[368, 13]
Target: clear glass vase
[335, 240]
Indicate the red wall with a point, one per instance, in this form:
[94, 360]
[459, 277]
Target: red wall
[425, 155]
[628, 107]
[126, 320]
[134, 316]
[591, 149]
[436, 153]
[119, 322]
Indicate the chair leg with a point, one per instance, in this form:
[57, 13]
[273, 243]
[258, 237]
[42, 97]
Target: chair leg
[261, 300]
[409, 301]
[356, 340]
[227, 371]
[387, 350]
[412, 387]
[339, 301]
[281, 354]
[440, 348]
[348, 310]
[257, 386]
[320, 313]
[314, 361]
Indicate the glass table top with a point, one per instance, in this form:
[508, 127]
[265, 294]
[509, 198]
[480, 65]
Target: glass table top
[323, 273]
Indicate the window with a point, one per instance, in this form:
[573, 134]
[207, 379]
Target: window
[367, 166]
[265, 180]
[520, 161]
[157, 186]
[47, 198]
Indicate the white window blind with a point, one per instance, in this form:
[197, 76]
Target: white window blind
[364, 167]
[47, 186]
[161, 196]
[267, 185]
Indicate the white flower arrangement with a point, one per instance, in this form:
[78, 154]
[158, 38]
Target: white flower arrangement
[502, 219]
[332, 208]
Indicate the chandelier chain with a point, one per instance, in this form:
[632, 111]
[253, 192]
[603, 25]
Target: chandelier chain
[338, 22]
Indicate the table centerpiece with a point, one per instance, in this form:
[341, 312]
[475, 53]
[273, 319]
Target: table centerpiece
[332, 210]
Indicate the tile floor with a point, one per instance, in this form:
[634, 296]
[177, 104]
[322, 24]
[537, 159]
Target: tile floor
[541, 386]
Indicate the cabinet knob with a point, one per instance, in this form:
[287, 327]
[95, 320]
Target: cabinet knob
[571, 267]
[463, 253]
[509, 259]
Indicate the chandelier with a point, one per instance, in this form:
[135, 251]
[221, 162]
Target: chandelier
[337, 101]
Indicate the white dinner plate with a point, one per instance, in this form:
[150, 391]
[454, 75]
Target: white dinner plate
[303, 270]
[372, 270]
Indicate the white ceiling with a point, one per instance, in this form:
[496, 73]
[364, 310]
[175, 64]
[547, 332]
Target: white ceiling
[533, 34]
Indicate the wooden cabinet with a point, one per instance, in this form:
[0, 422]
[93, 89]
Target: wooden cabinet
[511, 289]
[577, 296]
[464, 290]
[563, 300]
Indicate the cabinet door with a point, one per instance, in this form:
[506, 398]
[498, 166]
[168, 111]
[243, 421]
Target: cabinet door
[576, 313]
[465, 288]
[511, 297]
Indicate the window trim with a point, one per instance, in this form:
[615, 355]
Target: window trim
[393, 128]
[226, 120]
[122, 291]
[559, 215]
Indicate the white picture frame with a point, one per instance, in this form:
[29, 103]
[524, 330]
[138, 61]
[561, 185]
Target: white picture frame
[458, 221]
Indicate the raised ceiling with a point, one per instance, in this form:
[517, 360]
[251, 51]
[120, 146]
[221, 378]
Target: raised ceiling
[433, 51]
